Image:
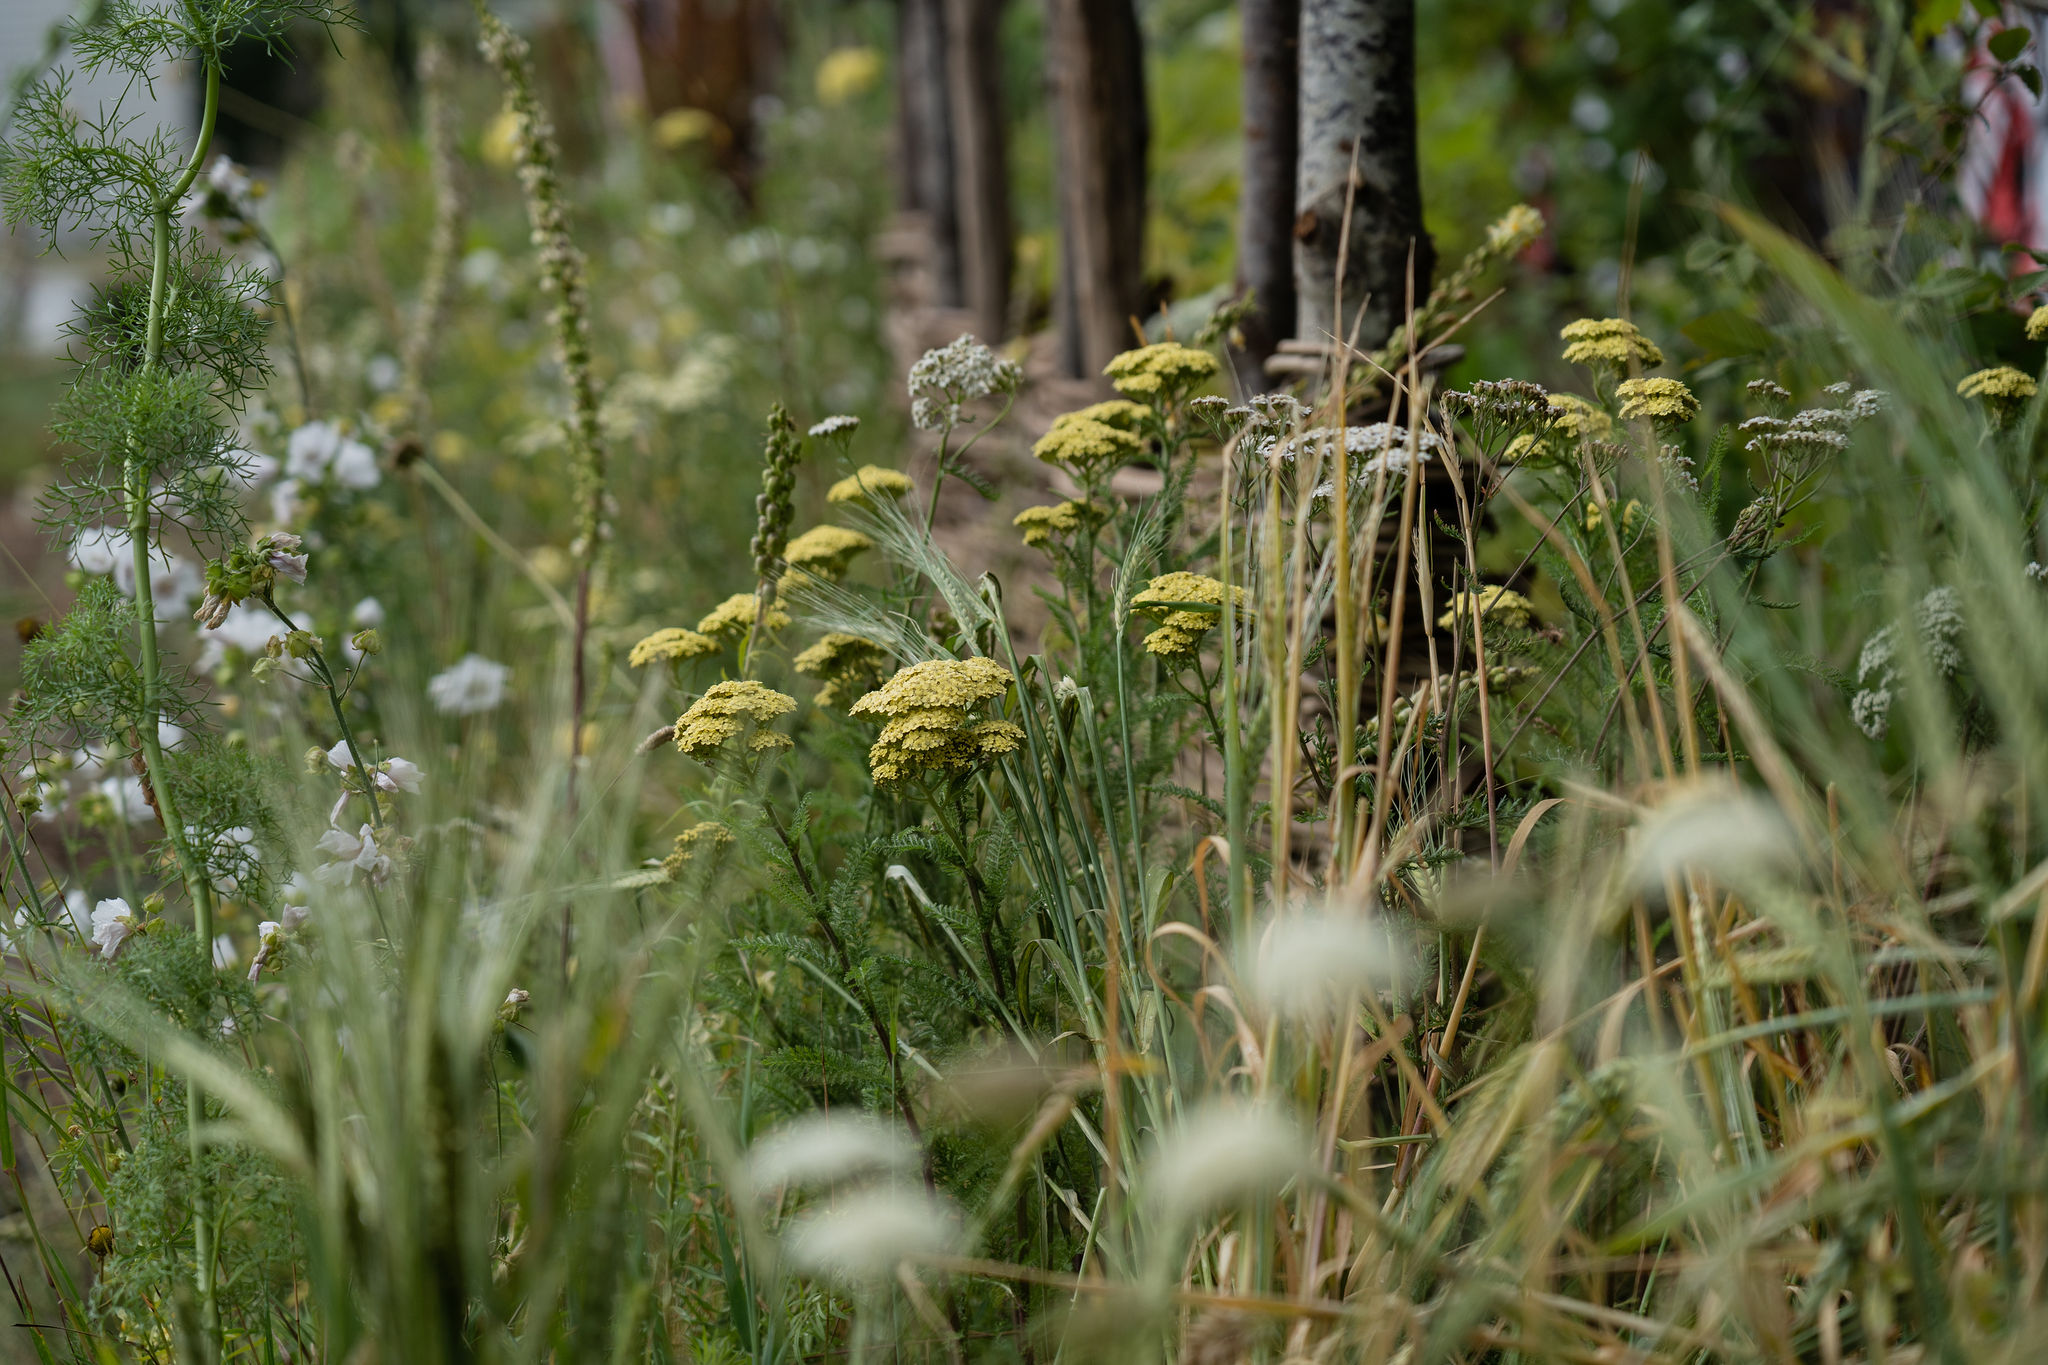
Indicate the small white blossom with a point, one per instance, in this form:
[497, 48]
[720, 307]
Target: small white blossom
[112, 923]
[473, 686]
[350, 854]
[945, 379]
[837, 424]
[285, 502]
[224, 953]
[392, 775]
[97, 549]
[319, 450]
[245, 628]
[367, 614]
[126, 796]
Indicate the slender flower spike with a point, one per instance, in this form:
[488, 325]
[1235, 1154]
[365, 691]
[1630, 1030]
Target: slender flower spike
[471, 687]
[1663, 402]
[870, 484]
[1609, 343]
[1514, 230]
[2002, 389]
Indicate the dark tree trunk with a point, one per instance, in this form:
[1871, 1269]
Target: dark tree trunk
[1265, 217]
[713, 55]
[1358, 90]
[981, 161]
[925, 123]
[1096, 68]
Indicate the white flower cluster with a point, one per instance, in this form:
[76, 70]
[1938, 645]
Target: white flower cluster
[1878, 680]
[53, 783]
[944, 380]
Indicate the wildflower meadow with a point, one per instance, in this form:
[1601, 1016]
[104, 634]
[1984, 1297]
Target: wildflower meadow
[1202, 681]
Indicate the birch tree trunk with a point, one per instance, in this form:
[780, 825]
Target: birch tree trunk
[1265, 217]
[981, 162]
[1096, 67]
[1358, 89]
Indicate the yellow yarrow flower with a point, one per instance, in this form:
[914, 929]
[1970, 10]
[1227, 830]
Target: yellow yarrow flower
[1579, 419]
[729, 719]
[1498, 605]
[1631, 516]
[1181, 627]
[2037, 323]
[729, 621]
[931, 728]
[826, 551]
[671, 644]
[1608, 342]
[1164, 369]
[868, 484]
[1665, 402]
[1042, 525]
[702, 841]
[1085, 444]
[847, 665]
[2001, 383]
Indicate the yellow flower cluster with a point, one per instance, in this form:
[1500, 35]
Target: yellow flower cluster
[825, 551]
[1609, 342]
[2000, 384]
[930, 721]
[1498, 605]
[847, 665]
[1665, 402]
[670, 644]
[729, 621]
[702, 840]
[1164, 369]
[1578, 419]
[728, 712]
[868, 484]
[2037, 323]
[1041, 525]
[1181, 628]
[1095, 437]
[1631, 517]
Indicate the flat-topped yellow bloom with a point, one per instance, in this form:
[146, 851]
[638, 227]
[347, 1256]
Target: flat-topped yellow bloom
[1579, 419]
[1608, 342]
[730, 717]
[869, 483]
[1664, 402]
[1042, 525]
[699, 843]
[1181, 628]
[826, 551]
[2002, 389]
[931, 727]
[847, 665]
[730, 620]
[2037, 323]
[1498, 605]
[1086, 444]
[670, 644]
[1163, 369]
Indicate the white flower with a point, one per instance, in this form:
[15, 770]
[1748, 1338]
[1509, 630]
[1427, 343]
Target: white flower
[955, 374]
[169, 734]
[285, 503]
[245, 628]
[250, 469]
[382, 373]
[351, 853]
[78, 910]
[97, 549]
[126, 796]
[224, 954]
[392, 775]
[836, 424]
[1219, 1154]
[821, 1150]
[112, 923]
[233, 859]
[863, 1238]
[472, 686]
[367, 614]
[281, 552]
[319, 450]
[1310, 965]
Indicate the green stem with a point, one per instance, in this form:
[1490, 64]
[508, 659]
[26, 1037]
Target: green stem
[135, 486]
[325, 677]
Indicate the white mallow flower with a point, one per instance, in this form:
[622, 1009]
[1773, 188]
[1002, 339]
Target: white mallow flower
[392, 775]
[281, 551]
[472, 686]
[351, 853]
[97, 549]
[112, 922]
[245, 627]
[319, 450]
[126, 796]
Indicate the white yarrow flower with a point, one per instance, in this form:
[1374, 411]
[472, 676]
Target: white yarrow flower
[473, 686]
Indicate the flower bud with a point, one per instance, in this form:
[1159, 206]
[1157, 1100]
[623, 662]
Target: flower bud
[367, 642]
